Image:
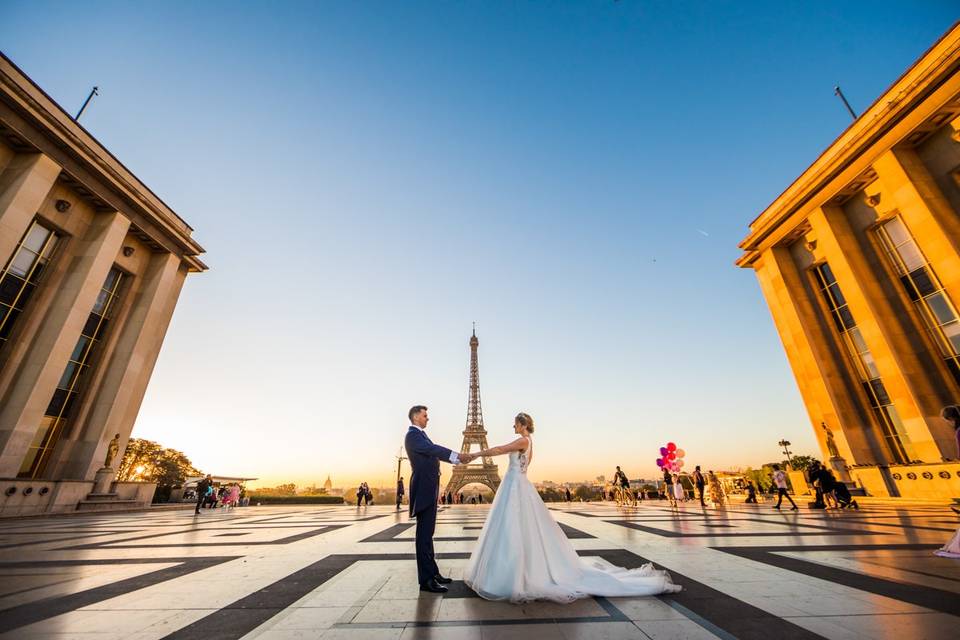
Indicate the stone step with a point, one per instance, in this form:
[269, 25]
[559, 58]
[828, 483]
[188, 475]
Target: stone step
[105, 505]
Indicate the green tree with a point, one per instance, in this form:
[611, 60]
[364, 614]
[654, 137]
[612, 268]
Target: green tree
[148, 461]
[799, 463]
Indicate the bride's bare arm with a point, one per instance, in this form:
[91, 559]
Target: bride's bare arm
[517, 445]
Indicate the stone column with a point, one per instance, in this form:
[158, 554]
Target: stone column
[129, 367]
[903, 373]
[819, 368]
[29, 393]
[927, 213]
[24, 184]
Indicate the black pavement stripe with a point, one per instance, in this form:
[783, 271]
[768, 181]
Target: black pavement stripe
[665, 533]
[736, 617]
[118, 544]
[38, 610]
[920, 595]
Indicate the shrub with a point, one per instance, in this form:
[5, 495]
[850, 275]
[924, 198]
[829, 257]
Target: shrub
[275, 499]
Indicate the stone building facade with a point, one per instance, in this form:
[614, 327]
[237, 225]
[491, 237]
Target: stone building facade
[92, 265]
[859, 262]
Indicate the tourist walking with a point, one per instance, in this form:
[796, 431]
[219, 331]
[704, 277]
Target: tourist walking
[678, 493]
[360, 493]
[780, 481]
[668, 487]
[567, 490]
[717, 496]
[700, 483]
[202, 488]
[399, 493]
[751, 493]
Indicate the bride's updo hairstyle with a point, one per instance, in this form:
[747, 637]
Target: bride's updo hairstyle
[525, 421]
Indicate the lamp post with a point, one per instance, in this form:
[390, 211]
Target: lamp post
[786, 452]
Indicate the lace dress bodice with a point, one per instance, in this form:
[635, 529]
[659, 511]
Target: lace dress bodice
[518, 461]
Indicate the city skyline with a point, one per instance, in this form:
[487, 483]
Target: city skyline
[369, 180]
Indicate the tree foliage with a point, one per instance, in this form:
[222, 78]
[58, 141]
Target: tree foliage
[148, 461]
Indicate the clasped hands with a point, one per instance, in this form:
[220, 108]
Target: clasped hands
[467, 458]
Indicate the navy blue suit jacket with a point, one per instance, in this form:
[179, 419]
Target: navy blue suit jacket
[425, 460]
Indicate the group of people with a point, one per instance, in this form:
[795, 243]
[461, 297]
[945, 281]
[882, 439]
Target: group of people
[673, 489]
[225, 496]
[364, 493]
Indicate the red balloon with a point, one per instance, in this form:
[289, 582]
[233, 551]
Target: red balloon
[671, 446]
[671, 456]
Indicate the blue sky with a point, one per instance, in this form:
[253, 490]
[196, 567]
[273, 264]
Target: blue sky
[370, 178]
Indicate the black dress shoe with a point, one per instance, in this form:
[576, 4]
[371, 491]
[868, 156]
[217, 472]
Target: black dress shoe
[441, 580]
[433, 587]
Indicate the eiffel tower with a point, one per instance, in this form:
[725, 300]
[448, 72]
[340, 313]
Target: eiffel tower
[485, 473]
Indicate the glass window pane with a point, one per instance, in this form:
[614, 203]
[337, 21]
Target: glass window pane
[101, 303]
[897, 231]
[112, 279]
[51, 247]
[26, 469]
[858, 342]
[870, 365]
[909, 288]
[837, 295]
[941, 308]
[880, 392]
[827, 273]
[22, 262]
[847, 317]
[10, 287]
[35, 238]
[102, 329]
[56, 402]
[922, 280]
[80, 351]
[90, 328]
[46, 426]
[952, 332]
[70, 373]
[911, 256]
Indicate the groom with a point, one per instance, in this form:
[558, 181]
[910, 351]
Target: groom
[424, 488]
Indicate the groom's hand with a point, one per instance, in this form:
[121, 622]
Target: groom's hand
[465, 458]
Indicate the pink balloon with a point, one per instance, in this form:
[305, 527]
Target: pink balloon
[659, 463]
[671, 446]
[679, 463]
[680, 453]
[663, 451]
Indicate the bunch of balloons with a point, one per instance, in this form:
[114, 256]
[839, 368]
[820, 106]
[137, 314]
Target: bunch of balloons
[671, 458]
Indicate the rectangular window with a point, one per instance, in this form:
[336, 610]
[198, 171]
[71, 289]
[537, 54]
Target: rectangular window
[894, 432]
[58, 409]
[20, 276]
[923, 287]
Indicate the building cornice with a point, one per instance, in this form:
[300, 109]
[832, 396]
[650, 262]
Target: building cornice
[876, 130]
[42, 124]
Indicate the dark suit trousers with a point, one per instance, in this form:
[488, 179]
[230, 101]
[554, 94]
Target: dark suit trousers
[426, 564]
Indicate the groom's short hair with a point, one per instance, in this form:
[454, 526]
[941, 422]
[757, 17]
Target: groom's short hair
[414, 410]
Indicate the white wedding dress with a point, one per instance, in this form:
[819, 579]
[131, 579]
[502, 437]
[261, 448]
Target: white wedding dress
[522, 554]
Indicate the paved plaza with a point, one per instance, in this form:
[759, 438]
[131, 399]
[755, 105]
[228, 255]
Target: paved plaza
[341, 572]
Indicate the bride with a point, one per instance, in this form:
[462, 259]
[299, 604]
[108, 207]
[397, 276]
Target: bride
[522, 554]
